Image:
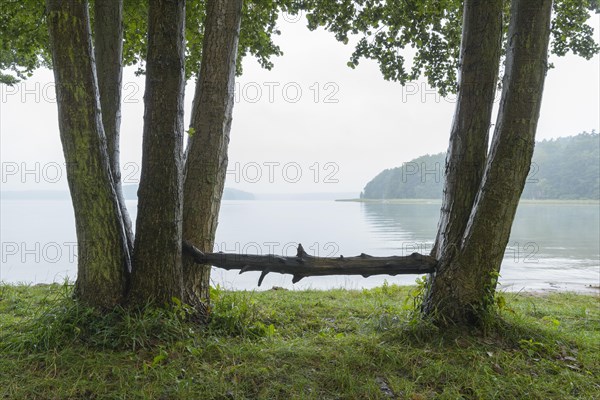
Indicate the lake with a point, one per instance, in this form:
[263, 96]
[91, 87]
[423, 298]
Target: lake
[553, 246]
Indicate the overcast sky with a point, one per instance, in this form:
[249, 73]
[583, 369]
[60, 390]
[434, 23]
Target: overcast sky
[310, 125]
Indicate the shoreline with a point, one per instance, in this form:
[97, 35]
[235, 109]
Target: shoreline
[511, 288]
[439, 201]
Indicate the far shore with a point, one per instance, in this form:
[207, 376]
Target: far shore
[439, 201]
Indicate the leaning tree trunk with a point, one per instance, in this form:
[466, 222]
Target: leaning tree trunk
[465, 160]
[103, 258]
[108, 47]
[480, 50]
[157, 252]
[206, 154]
[463, 289]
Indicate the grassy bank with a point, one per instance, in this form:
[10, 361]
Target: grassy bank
[295, 345]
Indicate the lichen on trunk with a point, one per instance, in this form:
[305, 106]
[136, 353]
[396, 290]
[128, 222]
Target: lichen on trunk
[108, 48]
[464, 285]
[157, 275]
[206, 154]
[103, 255]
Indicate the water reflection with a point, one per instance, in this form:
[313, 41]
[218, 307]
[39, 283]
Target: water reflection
[419, 220]
[551, 245]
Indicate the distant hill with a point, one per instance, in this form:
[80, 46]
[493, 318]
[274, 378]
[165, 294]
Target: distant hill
[130, 193]
[34, 195]
[566, 168]
[313, 196]
[235, 194]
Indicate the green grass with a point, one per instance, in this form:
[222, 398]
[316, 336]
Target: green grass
[281, 344]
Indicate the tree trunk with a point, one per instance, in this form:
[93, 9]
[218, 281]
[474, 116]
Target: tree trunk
[108, 47]
[465, 160]
[206, 154]
[304, 265]
[157, 252]
[480, 50]
[463, 289]
[103, 257]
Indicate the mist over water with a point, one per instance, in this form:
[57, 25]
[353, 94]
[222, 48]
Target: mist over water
[552, 246]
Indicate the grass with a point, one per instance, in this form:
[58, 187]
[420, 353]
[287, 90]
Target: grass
[281, 344]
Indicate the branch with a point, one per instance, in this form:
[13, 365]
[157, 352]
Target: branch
[303, 265]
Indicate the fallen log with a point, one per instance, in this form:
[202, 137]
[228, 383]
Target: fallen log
[304, 265]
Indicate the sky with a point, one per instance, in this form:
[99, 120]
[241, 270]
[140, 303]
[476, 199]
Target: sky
[309, 125]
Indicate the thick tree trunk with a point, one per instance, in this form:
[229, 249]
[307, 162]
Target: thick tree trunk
[157, 252]
[103, 258]
[108, 47]
[304, 265]
[480, 50]
[463, 289]
[206, 154]
[465, 160]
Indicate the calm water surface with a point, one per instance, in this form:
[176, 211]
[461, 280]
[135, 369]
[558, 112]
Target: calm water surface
[552, 246]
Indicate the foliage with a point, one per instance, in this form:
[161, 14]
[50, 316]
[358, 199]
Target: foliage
[388, 31]
[420, 178]
[23, 39]
[259, 26]
[570, 30]
[24, 35]
[325, 345]
[408, 39]
[566, 168]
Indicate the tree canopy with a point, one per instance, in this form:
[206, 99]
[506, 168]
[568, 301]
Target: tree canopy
[24, 45]
[408, 39]
[413, 38]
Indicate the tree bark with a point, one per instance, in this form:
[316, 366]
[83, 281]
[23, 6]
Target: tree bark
[304, 265]
[463, 289]
[103, 257]
[465, 160]
[480, 51]
[157, 252]
[108, 47]
[206, 154]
